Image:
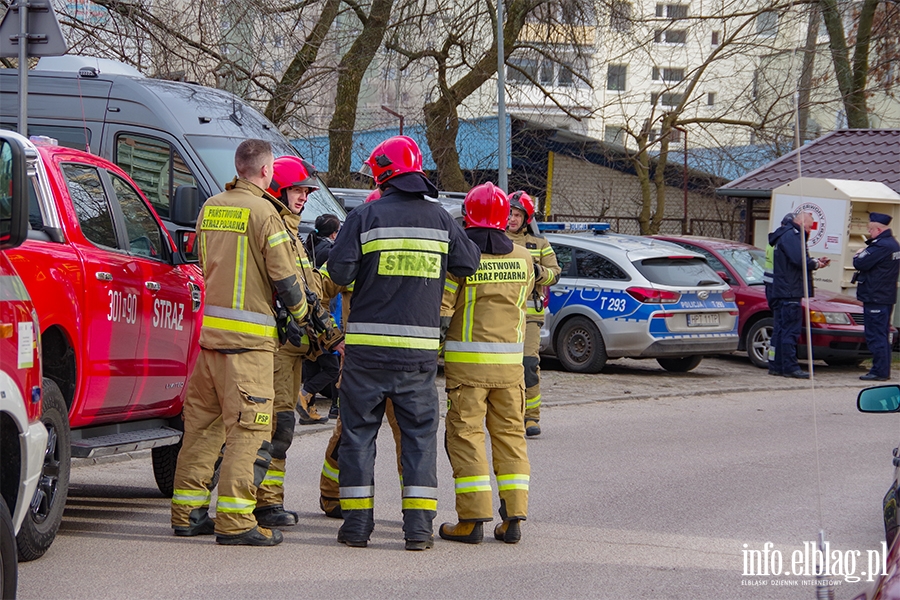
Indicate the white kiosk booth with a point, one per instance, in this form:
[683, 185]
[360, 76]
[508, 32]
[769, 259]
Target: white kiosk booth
[840, 210]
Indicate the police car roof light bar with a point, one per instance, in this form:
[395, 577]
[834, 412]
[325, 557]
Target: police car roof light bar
[568, 227]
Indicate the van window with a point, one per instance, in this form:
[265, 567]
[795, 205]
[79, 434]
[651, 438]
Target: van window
[155, 166]
[70, 137]
[144, 236]
[90, 204]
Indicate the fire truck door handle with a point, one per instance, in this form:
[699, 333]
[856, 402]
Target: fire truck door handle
[104, 276]
[152, 286]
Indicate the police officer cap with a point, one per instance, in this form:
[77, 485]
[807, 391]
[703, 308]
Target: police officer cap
[880, 218]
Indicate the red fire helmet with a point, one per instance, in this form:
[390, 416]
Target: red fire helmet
[394, 156]
[291, 171]
[486, 206]
[523, 202]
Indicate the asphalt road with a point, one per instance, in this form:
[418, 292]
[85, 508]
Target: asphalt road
[644, 485]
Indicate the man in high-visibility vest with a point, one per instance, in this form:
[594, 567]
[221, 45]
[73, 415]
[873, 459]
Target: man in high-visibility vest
[247, 258]
[485, 379]
[547, 273]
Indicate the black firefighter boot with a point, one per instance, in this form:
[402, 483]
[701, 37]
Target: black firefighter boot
[275, 516]
[467, 532]
[509, 531]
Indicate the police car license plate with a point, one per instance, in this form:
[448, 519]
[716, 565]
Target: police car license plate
[702, 319]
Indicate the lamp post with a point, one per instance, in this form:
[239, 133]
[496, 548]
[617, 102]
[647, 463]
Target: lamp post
[684, 223]
[501, 102]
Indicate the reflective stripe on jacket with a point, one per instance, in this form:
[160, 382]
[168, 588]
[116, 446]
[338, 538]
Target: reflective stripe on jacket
[487, 329]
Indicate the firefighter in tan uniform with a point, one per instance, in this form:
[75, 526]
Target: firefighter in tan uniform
[485, 380]
[246, 257]
[293, 180]
[329, 487]
[546, 274]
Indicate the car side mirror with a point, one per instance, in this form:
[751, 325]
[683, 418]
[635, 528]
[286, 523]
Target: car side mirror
[185, 206]
[880, 399]
[725, 277]
[186, 241]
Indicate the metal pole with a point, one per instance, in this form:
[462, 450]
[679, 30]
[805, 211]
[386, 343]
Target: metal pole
[394, 113]
[22, 6]
[501, 102]
[684, 223]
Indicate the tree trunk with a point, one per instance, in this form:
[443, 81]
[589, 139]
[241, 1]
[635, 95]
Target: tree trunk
[441, 128]
[351, 70]
[851, 78]
[806, 74]
[303, 59]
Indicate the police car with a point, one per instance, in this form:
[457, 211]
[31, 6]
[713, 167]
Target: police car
[628, 296]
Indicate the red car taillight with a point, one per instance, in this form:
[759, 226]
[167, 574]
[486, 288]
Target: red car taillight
[728, 296]
[649, 295]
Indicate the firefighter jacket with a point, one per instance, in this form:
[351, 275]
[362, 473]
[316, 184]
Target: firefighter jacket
[397, 251]
[487, 330]
[331, 290]
[546, 274]
[246, 256]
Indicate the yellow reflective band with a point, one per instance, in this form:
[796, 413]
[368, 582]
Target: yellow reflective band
[520, 326]
[546, 251]
[483, 358]
[468, 310]
[534, 311]
[475, 483]
[451, 286]
[401, 263]
[419, 504]
[203, 250]
[330, 473]
[536, 252]
[191, 497]
[228, 504]
[533, 402]
[405, 244]
[500, 270]
[357, 503]
[225, 218]
[278, 238]
[513, 481]
[274, 478]
[240, 327]
[304, 262]
[391, 341]
[240, 265]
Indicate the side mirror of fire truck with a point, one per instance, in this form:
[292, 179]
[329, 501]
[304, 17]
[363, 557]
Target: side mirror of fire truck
[185, 206]
[14, 182]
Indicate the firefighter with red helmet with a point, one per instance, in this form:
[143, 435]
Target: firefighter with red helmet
[396, 251]
[546, 271]
[246, 259]
[483, 355]
[293, 180]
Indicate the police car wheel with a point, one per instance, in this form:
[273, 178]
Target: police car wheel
[46, 510]
[680, 365]
[580, 347]
[757, 342]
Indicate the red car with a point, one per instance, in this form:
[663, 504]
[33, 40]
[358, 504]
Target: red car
[836, 320]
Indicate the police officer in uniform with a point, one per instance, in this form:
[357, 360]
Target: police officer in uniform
[767, 283]
[293, 181]
[546, 271]
[485, 379]
[246, 257]
[878, 265]
[396, 251]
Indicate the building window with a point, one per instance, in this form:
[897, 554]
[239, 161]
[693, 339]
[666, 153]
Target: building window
[711, 99]
[668, 74]
[672, 11]
[767, 24]
[674, 136]
[614, 134]
[715, 38]
[620, 16]
[667, 100]
[616, 77]
[670, 36]
[522, 70]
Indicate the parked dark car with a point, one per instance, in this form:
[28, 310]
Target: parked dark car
[836, 320]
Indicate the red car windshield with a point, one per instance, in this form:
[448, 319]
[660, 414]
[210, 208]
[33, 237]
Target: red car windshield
[749, 264]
